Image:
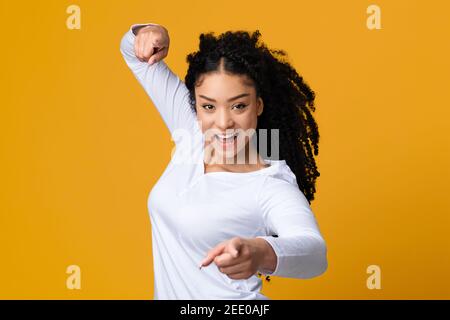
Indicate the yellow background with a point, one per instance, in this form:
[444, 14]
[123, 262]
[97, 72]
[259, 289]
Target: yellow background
[82, 144]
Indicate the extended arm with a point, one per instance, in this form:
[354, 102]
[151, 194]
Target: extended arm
[300, 249]
[166, 90]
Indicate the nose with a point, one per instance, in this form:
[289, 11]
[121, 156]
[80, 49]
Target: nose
[224, 120]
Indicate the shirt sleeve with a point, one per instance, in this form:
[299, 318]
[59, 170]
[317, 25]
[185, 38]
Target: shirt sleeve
[166, 90]
[300, 248]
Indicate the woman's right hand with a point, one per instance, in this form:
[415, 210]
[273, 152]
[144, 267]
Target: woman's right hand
[151, 43]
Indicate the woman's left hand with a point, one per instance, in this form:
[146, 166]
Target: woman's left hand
[239, 258]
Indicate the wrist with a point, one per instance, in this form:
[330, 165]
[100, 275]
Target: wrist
[137, 29]
[267, 256]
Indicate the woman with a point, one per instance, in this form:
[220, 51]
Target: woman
[216, 222]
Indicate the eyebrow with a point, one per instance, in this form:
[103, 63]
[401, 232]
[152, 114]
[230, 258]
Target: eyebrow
[229, 100]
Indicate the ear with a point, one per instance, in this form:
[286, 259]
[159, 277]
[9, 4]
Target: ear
[260, 106]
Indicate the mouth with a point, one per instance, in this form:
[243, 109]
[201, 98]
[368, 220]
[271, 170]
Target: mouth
[226, 140]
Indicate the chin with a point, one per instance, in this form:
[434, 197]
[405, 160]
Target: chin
[231, 156]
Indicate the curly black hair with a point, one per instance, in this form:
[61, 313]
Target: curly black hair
[288, 100]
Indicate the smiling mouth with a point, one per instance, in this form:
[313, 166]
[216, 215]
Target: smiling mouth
[226, 141]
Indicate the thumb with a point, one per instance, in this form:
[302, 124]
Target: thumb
[234, 246]
[158, 55]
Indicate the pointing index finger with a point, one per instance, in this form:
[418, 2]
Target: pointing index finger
[211, 255]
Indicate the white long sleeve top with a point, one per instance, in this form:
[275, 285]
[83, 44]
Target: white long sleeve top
[191, 211]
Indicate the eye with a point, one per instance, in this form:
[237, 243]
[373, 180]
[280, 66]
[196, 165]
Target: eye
[206, 105]
[242, 106]
[239, 106]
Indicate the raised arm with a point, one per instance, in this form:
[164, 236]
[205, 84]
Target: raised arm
[166, 90]
[300, 249]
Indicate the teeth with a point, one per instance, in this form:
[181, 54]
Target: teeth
[226, 137]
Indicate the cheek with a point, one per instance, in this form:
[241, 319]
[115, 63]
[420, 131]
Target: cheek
[204, 121]
[248, 122]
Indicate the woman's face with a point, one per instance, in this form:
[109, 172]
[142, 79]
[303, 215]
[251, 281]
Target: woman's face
[227, 104]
